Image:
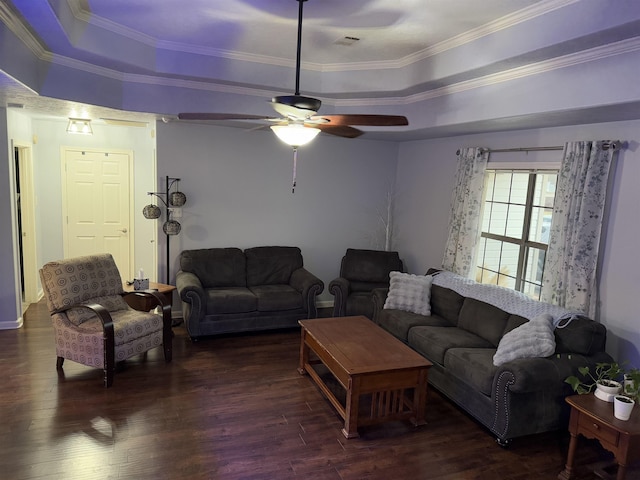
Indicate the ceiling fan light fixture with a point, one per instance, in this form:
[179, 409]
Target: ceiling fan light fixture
[295, 135]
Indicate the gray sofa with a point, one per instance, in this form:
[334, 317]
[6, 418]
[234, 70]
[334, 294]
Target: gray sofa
[521, 397]
[227, 290]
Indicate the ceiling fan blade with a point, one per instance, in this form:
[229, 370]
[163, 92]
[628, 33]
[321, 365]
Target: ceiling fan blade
[221, 116]
[338, 130]
[369, 120]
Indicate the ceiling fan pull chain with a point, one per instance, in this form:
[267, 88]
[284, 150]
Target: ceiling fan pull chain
[295, 164]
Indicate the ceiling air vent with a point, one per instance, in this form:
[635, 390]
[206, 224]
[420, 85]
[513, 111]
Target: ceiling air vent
[346, 41]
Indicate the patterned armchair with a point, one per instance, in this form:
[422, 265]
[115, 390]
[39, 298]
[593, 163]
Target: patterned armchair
[93, 324]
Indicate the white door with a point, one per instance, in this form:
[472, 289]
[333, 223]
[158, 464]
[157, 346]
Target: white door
[97, 205]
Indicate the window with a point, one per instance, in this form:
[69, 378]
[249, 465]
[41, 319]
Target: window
[516, 219]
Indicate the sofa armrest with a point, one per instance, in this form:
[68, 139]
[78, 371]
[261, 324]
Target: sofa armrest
[192, 295]
[379, 296]
[310, 287]
[339, 288]
[536, 374]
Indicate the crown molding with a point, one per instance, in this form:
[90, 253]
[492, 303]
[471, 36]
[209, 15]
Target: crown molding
[533, 11]
[586, 56]
[10, 19]
[528, 13]
[17, 27]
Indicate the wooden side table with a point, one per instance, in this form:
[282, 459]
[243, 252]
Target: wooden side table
[594, 419]
[147, 303]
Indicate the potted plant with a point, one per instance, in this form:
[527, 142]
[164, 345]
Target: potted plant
[604, 379]
[632, 383]
[624, 402]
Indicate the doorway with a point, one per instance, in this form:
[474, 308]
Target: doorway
[96, 204]
[26, 225]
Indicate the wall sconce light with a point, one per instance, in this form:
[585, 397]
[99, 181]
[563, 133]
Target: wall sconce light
[81, 126]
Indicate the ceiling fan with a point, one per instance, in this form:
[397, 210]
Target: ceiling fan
[299, 122]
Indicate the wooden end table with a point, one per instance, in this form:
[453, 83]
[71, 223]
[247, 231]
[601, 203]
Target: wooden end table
[594, 419]
[367, 361]
[147, 303]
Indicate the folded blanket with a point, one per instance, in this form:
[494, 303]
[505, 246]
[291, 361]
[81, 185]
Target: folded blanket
[507, 299]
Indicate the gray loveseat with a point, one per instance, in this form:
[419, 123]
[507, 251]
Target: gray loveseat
[521, 397]
[225, 290]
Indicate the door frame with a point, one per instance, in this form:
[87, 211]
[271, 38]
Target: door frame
[28, 220]
[65, 224]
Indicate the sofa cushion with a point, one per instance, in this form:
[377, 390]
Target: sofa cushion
[581, 335]
[360, 303]
[472, 365]
[112, 303]
[216, 267]
[514, 321]
[369, 265]
[399, 322]
[433, 342]
[272, 265]
[409, 292]
[531, 339]
[272, 298]
[446, 303]
[230, 300]
[483, 319]
[356, 286]
[73, 281]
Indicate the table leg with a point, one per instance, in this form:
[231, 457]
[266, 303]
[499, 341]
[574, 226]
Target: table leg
[567, 473]
[350, 429]
[304, 352]
[420, 398]
[622, 472]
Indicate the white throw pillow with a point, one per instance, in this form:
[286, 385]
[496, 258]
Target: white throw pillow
[411, 293]
[532, 339]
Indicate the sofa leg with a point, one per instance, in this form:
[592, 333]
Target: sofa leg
[503, 442]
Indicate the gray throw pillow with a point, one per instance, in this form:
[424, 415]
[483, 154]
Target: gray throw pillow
[532, 339]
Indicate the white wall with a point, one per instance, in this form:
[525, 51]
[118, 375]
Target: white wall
[425, 180]
[51, 136]
[10, 304]
[238, 188]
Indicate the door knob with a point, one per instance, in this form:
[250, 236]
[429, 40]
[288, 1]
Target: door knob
[124, 230]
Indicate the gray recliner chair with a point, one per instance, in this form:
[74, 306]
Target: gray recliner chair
[360, 272]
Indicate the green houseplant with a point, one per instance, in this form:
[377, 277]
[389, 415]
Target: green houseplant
[604, 375]
[632, 384]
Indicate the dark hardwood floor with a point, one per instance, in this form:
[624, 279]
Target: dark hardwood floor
[230, 407]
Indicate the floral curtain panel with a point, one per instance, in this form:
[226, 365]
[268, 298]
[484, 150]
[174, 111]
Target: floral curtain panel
[570, 275]
[466, 208]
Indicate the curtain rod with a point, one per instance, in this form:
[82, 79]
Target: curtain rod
[524, 149]
[615, 144]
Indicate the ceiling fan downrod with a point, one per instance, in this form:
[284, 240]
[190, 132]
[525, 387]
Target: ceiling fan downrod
[300, 3]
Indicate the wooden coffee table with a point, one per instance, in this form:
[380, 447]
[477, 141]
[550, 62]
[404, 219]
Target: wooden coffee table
[370, 364]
